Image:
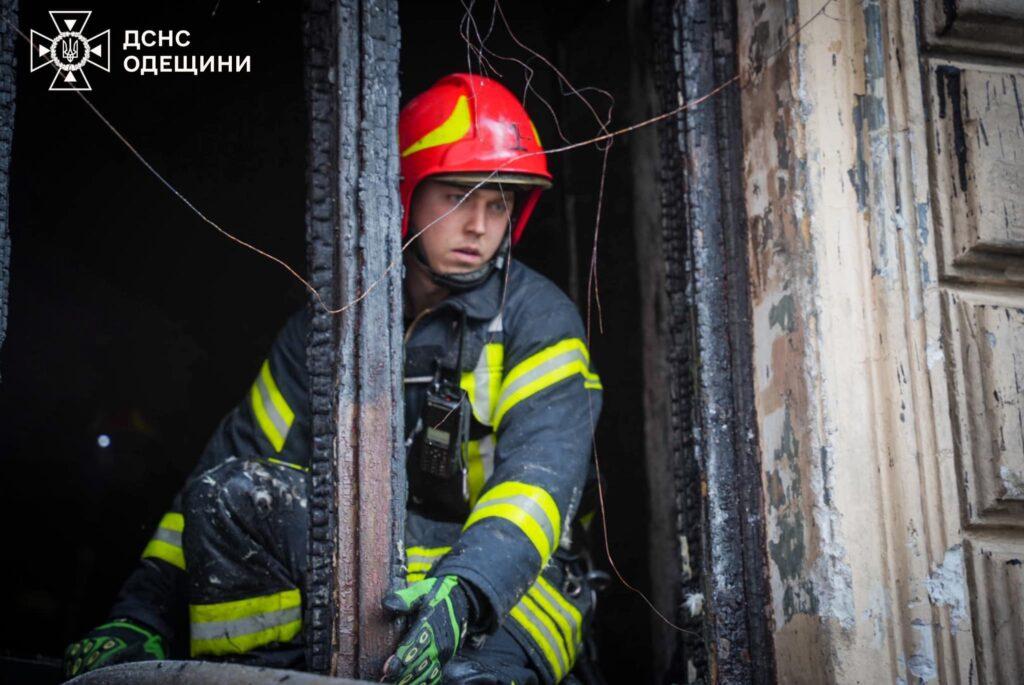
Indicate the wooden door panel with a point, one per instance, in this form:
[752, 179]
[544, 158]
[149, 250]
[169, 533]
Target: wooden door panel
[995, 577]
[986, 353]
[978, 151]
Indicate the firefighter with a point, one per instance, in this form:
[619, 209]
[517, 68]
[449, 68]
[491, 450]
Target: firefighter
[500, 405]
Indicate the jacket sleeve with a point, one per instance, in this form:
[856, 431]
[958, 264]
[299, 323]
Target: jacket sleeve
[545, 416]
[271, 422]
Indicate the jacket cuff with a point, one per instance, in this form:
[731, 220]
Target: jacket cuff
[480, 611]
[489, 601]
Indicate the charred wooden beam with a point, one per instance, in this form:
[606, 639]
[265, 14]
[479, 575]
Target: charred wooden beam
[683, 573]
[736, 597]
[742, 465]
[710, 283]
[357, 494]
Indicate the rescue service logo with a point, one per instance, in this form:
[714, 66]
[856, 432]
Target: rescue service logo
[70, 51]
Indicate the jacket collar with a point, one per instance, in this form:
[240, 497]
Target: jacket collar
[483, 301]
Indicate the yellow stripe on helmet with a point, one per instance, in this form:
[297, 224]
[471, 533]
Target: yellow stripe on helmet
[455, 127]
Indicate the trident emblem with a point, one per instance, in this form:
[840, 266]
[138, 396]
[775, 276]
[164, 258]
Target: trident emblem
[69, 50]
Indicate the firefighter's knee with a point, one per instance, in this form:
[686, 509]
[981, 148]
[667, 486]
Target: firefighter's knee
[244, 490]
[245, 518]
[218, 493]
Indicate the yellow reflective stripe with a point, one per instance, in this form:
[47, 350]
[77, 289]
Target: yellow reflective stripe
[542, 370]
[166, 541]
[495, 363]
[240, 644]
[419, 566]
[536, 136]
[534, 493]
[244, 608]
[483, 383]
[427, 551]
[521, 519]
[173, 521]
[530, 605]
[455, 127]
[424, 558]
[421, 559]
[479, 459]
[468, 383]
[548, 353]
[158, 549]
[543, 633]
[565, 631]
[538, 639]
[290, 465]
[528, 507]
[543, 588]
[242, 625]
[587, 519]
[275, 395]
[272, 412]
[474, 470]
[261, 417]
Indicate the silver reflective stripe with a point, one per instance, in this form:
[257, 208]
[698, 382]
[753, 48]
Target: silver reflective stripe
[530, 507]
[268, 406]
[415, 380]
[543, 369]
[495, 325]
[553, 641]
[171, 537]
[570, 640]
[245, 626]
[487, 445]
[483, 403]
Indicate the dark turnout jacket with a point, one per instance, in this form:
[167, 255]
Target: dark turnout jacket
[505, 527]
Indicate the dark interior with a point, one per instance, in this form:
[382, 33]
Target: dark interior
[134, 325]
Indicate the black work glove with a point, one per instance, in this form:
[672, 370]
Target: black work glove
[116, 642]
[442, 609]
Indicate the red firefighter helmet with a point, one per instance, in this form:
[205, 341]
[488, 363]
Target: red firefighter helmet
[469, 128]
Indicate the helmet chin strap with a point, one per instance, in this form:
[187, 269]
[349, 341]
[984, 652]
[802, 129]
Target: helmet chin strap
[461, 282]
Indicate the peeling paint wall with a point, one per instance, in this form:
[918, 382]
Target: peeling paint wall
[884, 173]
[784, 318]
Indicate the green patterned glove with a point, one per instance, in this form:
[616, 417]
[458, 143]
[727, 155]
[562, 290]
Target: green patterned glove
[438, 632]
[116, 642]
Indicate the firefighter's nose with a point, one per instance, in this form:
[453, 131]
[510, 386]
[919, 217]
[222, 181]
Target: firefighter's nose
[477, 221]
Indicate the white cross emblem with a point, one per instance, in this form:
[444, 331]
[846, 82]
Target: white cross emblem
[69, 51]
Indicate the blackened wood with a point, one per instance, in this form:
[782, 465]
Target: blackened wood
[707, 279]
[8, 36]
[321, 222]
[735, 595]
[749, 499]
[688, 650]
[355, 358]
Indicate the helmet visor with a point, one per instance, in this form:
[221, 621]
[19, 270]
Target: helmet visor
[492, 180]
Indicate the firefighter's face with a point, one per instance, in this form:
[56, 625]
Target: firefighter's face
[464, 230]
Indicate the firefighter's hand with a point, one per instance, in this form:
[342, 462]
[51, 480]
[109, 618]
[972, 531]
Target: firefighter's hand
[116, 642]
[442, 609]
